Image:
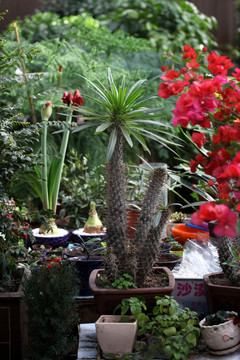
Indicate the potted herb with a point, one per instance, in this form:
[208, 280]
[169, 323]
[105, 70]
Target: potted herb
[125, 116]
[221, 332]
[165, 331]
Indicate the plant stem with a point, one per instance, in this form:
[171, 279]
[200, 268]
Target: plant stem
[44, 171]
[60, 166]
[25, 74]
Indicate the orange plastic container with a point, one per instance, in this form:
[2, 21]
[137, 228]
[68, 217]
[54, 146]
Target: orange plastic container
[182, 233]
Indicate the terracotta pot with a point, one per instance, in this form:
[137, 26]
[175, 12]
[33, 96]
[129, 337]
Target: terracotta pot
[223, 337]
[108, 299]
[115, 337]
[132, 219]
[221, 297]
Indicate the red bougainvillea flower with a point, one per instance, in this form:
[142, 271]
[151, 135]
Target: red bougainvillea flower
[224, 190]
[236, 74]
[170, 75]
[227, 219]
[227, 223]
[232, 171]
[209, 99]
[60, 68]
[218, 64]
[199, 139]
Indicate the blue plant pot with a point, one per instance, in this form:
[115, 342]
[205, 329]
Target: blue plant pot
[84, 268]
[55, 240]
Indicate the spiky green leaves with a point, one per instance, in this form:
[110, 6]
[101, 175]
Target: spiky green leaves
[124, 110]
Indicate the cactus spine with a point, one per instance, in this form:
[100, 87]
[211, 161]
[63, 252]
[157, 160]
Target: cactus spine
[133, 256]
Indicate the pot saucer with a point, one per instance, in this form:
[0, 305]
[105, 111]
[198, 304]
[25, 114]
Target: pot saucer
[225, 351]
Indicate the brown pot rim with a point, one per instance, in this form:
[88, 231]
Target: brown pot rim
[137, 291]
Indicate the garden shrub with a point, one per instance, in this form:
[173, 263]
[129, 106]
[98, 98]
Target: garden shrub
[167, 24]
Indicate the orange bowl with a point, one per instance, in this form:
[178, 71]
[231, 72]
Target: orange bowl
[182, 233]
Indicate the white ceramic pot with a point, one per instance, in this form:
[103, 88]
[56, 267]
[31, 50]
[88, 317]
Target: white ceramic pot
[116, 337]
[221, 337]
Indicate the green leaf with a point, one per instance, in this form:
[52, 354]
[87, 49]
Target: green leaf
[55, 164]
[170, 331]
[35, 184]
[127, 137]
[112, 143]
[102, 127]
[157, 219]
[191, 339]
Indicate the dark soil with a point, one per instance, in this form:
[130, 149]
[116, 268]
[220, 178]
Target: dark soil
[157, 279]
[14, 284]
[220, 279]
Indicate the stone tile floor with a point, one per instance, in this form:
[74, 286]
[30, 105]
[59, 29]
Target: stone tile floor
[88, 347]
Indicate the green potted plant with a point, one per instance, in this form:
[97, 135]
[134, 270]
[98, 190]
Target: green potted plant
[176, 248]
[49, 293]
[165, 331]
[221, 332]
[86, 255]
[48, 180]
[123, 113]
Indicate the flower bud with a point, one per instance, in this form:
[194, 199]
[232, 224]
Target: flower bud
[67, 98]
[46, 111]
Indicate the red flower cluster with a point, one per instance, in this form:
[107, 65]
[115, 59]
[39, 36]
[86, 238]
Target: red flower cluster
[208, 99]
[75, 99]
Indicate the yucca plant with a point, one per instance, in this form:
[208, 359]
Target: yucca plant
[124, 114]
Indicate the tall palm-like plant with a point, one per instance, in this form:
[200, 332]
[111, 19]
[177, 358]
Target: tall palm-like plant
[125, 115]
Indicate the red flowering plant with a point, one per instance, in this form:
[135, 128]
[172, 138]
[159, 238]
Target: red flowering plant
[207, 87]
[49, 174]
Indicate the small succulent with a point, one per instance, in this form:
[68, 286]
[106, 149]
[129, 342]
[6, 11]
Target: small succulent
[178, 217]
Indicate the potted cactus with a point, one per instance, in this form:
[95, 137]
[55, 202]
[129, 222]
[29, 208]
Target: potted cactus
[124, 115]
[223, 288]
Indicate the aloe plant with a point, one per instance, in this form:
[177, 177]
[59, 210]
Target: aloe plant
[124, 114]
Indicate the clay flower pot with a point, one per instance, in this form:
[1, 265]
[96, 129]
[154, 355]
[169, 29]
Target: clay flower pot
[116, 337]
[107, 299]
